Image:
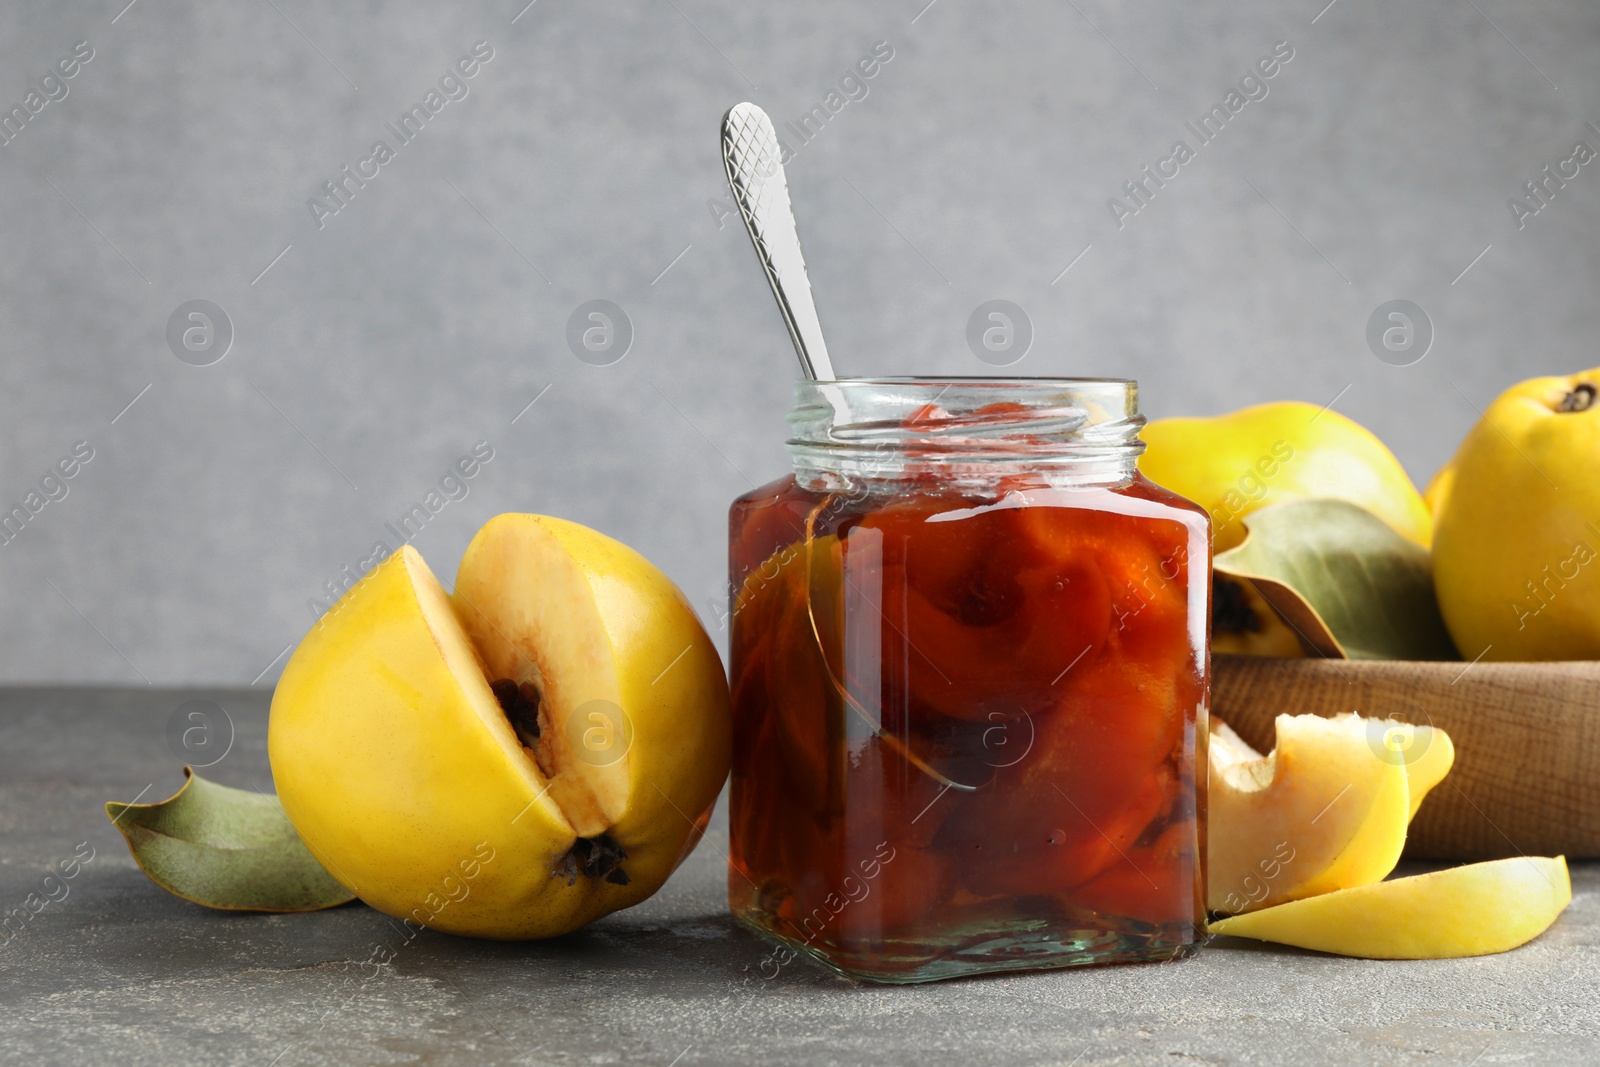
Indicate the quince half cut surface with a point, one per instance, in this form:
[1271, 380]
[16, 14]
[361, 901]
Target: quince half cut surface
[517, 759]
[1244, 624]
[1326, 810]
[1474, 910]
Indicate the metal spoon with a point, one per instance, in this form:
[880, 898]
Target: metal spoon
[751, 157]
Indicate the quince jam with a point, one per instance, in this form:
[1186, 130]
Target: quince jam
[968, 721]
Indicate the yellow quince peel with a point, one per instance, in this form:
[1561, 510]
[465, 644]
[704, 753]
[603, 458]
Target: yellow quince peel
[1475, 910]
[1342, 905]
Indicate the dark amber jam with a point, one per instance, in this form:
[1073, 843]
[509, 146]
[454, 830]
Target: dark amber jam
[969, 694]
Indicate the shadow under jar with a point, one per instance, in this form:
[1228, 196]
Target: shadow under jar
[970, 677]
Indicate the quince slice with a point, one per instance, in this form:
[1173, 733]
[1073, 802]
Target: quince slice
[1327, 810]
[1474, 910]
[513, 762]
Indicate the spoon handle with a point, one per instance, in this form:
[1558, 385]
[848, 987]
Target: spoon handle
[751, 157]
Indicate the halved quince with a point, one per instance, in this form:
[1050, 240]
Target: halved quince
[1463, 911]
[1327, 810]
[1244, 624]
[514, 761]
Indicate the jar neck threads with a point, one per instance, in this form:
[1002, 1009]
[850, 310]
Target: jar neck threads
[966, 431]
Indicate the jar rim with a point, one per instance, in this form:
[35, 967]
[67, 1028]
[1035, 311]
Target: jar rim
[884, 425]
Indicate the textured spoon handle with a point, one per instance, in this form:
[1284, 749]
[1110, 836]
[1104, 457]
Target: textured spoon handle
[750, 154]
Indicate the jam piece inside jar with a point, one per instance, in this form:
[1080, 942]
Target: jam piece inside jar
[966, 723]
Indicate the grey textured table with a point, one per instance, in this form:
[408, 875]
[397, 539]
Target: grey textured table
[118, 972]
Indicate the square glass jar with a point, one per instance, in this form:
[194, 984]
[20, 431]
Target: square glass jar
[970, 676]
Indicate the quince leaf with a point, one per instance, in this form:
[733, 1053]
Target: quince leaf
[1343, 579]
[225, 848]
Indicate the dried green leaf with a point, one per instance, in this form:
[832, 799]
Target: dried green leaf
[225, 848]
[1343, 579]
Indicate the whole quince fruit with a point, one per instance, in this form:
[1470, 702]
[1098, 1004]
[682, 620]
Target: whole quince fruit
[513, 760]
[1234, 464]
[1517, 509]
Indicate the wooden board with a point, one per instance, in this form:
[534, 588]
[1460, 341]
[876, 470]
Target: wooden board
[1526, 779]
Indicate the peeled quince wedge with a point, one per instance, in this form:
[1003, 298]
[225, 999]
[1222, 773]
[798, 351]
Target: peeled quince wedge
[512, 761]
[1427, 750]
[1326, 810]
[1463, 911]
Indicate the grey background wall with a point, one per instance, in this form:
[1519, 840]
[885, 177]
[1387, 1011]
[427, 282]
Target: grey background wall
[373, 347]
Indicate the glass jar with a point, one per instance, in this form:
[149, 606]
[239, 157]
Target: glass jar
[970, 677]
